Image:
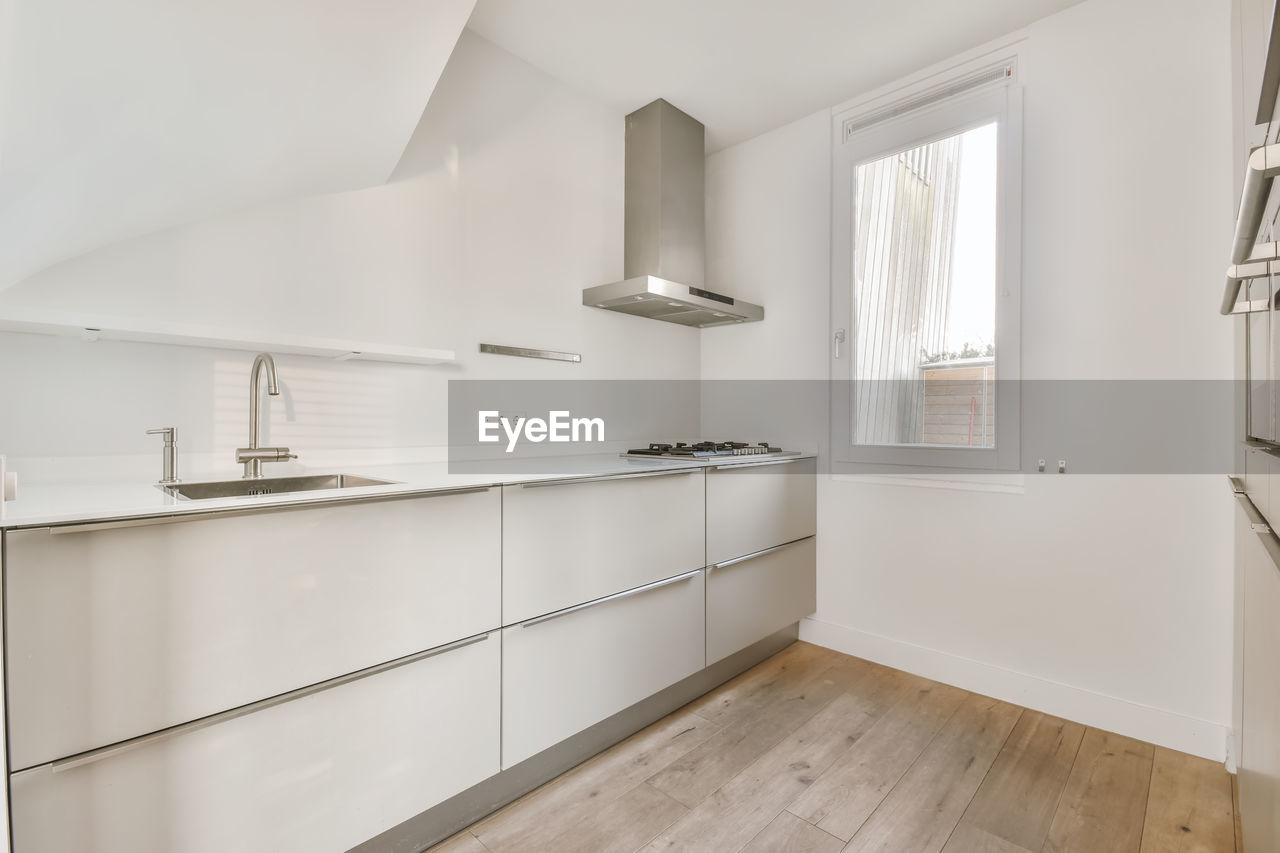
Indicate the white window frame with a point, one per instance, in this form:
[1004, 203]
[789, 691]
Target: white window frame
[969, 97]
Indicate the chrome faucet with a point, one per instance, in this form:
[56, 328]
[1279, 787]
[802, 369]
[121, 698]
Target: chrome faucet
[253, 456]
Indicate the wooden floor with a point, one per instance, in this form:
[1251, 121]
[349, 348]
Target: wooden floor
[817, 751]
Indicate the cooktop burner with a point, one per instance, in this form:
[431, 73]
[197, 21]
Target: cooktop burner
[707, 449]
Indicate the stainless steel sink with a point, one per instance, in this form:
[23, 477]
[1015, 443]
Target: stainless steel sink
[269, 486]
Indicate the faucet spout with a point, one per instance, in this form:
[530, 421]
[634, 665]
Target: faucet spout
[254, 455]
[264, 359]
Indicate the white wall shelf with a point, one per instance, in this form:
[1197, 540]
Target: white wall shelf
[91, 328]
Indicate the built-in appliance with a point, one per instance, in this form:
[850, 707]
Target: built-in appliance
[664, 206]
[1253, 289]
[710, 449]
[1253, 273]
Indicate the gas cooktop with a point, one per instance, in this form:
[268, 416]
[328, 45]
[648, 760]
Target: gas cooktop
[710, 449]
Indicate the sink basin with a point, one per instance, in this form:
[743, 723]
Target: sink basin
[269, 486]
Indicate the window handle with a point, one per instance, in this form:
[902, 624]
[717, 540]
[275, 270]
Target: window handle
[838, 338]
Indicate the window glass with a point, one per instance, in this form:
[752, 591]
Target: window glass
[924, 259]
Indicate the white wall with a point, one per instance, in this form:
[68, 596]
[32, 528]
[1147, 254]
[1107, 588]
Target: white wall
[1106, 599]
[507, 202]
[144, 115]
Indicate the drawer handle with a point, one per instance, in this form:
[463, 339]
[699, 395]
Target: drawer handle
[754, 554]
[731, 466]
[1256, 520]
[1269, 543]
[617, 595]
[94, 755]
[542, 484]
[198, 515]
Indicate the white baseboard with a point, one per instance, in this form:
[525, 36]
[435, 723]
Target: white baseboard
[1154, 725]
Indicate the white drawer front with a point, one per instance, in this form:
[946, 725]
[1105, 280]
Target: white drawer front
[753, 507]
[750, 599]
[116, 633]
[562, 675]
[320, 773]
[566, 543]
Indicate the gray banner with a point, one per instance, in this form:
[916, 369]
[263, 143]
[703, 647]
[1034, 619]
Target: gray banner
[1097, 426]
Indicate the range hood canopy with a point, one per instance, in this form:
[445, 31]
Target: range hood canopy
[664, 213]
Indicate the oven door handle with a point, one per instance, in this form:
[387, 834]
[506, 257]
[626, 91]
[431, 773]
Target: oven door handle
[1264, 165]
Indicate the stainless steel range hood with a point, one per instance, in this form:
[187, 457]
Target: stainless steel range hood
[665, 204]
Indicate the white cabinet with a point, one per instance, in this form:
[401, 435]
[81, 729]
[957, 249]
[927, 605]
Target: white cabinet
[1259, 771]
[566, 672]
[320, 773]
[755, 506]
[749, 598]
[177, 633]
[113, 633]
[570, 541]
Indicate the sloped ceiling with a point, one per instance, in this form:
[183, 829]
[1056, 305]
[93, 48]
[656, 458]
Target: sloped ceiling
[119, 118]
[742, 67]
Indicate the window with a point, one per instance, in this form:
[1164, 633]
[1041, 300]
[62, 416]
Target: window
[925, 278]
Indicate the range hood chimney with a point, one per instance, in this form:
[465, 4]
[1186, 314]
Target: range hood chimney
[663, 243]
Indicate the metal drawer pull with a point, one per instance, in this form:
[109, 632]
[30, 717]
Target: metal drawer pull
[529, 352]
[604, 478]
[1271, 544]
[198, 515]
[754, 464]
[617, 595]
[752, 556]
[94, 755]
[1256, 520]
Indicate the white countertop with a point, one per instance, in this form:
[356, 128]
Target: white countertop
[92, 502]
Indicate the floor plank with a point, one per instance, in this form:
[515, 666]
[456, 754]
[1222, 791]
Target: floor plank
[463, 842]
[731, 816]
[756, 688]
[1189, 806]
[1235, 807]
[829, 737]
[1018, 799]
[842, 798]
[1104, 805]
[921, 811]
[692, 778]
[970, 839]
[623, 826]
[789, 834]
[541, 815]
